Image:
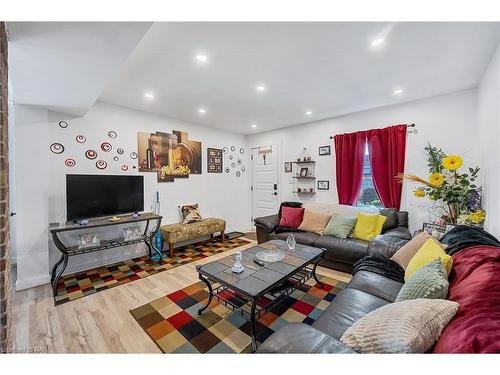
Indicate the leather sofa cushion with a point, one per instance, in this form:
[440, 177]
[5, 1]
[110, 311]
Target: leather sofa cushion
[392, 218]
[378, 285]
[349, 306]
[347, 250]
[304, 238]
[403, 218]
[299, 338]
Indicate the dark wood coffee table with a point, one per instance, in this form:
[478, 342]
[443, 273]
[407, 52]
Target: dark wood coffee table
[259, 288]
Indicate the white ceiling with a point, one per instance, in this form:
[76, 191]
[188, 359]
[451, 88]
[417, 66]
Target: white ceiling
[64, 66]
[328, 68]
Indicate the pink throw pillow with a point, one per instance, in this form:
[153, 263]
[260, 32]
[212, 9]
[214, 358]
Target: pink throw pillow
[291, 217]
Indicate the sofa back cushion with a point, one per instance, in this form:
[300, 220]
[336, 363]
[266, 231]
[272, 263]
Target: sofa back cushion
[340, 226]
[408, 251]
[314, 222]
[291, 217]
[392, 218]
[339, 209]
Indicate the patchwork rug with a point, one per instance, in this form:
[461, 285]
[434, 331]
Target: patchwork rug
[173, 323]
[74, 286]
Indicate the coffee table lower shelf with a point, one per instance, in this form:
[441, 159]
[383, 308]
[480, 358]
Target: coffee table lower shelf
[252, 308]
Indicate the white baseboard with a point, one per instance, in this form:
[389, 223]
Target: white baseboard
[32, 282]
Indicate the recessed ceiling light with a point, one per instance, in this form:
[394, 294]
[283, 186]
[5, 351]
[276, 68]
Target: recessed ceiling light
[202, 111]
[149, 95]
[260, 88]
[377, 42]
[253, 126]
[397, 91]
[308, 113]
[201, 58]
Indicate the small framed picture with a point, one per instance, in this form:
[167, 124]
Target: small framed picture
[132, 233]
[86, 240]
[324, 150]
[303, 172]
[324, 185]
[288, 166]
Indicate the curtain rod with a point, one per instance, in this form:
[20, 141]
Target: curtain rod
[407, 125]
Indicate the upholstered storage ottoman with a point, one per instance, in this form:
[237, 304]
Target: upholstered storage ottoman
[173, 233]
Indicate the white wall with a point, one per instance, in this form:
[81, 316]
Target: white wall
[488, 123]
[31, 196]
[447, 121]
[41, 177]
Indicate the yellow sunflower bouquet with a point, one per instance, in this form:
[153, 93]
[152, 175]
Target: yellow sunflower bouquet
[447, 184]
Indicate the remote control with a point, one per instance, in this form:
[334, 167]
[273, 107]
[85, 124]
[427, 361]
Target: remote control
[259, 262]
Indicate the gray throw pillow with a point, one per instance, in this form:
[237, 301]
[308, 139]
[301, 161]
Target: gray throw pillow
[340, 226]
[430, 281]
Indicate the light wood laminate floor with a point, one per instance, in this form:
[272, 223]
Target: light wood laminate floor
[101, 322]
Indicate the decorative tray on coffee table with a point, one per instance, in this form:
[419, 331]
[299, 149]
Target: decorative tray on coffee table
[270, 256]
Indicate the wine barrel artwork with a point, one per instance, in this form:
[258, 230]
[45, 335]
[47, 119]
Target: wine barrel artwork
[169, 155]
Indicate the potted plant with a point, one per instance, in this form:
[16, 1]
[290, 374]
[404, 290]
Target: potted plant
[446, 183]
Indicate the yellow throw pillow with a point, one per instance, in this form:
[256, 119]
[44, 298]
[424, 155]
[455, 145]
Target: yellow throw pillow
[368, 226]
[429, 251]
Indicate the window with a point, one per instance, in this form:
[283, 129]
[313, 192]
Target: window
[368, 196]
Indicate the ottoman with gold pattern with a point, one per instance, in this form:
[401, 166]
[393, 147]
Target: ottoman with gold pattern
[173, 233]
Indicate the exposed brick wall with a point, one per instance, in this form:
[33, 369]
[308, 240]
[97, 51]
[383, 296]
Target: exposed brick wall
[5, 290]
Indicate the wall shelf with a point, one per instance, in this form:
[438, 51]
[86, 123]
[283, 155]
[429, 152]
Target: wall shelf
[304, 162]
[304, 192]
[304, 178]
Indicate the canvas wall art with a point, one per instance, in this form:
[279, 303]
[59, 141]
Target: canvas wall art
[170, 155]
[214, 160]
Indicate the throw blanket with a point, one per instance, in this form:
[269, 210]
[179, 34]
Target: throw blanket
[463, 236]
[475, 285]
[377, 263]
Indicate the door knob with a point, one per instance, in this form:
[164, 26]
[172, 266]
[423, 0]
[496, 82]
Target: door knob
[275, 193]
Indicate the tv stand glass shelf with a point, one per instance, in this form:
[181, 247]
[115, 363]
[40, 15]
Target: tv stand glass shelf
[71, 250]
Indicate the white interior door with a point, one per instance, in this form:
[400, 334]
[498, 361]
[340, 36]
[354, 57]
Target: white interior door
[265, 196]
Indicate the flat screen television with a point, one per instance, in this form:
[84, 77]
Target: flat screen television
[89, 196]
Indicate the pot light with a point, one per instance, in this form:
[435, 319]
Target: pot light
[260, 88]
[253, 126]
[149, 95]
[202, 111]
[397, 91]
[201, 58]
[308, 113]
[377, 42]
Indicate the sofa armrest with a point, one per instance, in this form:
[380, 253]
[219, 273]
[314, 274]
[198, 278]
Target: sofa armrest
[399, 232]
[386, 245]
[267, 222]
[301, 338]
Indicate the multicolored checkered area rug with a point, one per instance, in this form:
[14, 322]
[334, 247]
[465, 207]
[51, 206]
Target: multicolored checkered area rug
[173, 323]
[71, 287]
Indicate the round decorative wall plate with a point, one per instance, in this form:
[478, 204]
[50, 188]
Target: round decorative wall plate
[106, 146]
[116, 158]
[238, 173]
[120, 151]
[233, 148]
[124, 168]
[101, 164]
[63, 124]
[133, 155]
[227, 170]
[233, 165]
[239, 161]
[81, 139]
[112, 134]
[134, 167]
[57, 148]
[224, 150]
[242, 151]
[243, 169]
[230, 157]
[90, 154]
[70, 162]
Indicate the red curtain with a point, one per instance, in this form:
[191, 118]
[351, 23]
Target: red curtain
[387, 158]
[349, 153]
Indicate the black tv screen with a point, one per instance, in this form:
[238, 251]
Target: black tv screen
[90, 196]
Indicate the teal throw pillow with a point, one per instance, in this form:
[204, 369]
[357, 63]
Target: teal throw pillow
[430, 281]
[340, 226]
